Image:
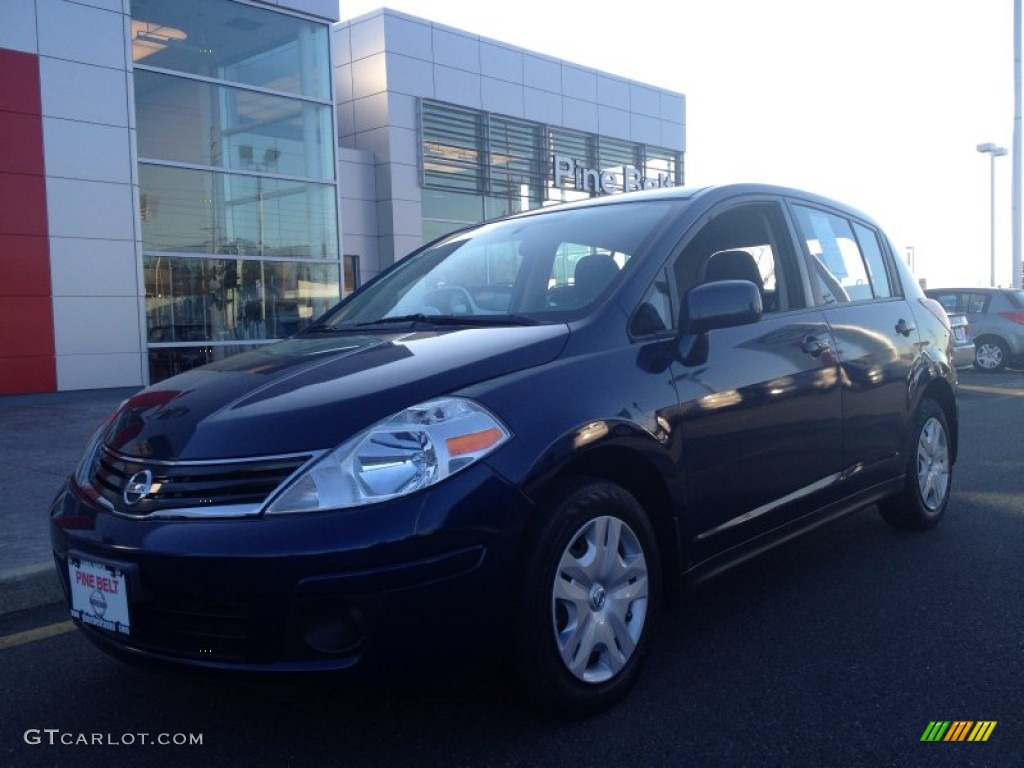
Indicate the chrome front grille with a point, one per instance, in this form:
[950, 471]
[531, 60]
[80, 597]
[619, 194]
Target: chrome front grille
[190, 486]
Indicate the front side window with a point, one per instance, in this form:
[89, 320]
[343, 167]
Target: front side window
[747, 242]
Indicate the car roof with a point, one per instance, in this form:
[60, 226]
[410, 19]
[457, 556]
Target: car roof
[709, 195]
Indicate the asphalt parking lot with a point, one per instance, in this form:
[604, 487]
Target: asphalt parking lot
[838, 649]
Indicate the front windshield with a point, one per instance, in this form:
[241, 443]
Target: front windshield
[531, 269]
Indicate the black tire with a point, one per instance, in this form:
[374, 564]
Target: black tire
[991, 354]
[929, 480]
[574, 600]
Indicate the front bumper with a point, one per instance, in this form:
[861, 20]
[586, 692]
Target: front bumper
[430, 574]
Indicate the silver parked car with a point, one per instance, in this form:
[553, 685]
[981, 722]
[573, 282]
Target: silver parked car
[996, 318]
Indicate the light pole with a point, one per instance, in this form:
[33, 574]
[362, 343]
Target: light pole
[993, 152]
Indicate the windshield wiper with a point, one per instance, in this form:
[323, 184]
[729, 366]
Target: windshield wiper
[463, 320]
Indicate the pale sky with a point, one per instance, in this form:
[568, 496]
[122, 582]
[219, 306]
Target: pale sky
[877, 103]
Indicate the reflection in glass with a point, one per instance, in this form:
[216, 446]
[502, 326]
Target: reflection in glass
[195, 211]
[165, 362]
[191, 121]
[194, 300]
[232, 41]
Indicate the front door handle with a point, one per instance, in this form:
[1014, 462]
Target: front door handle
[904, 329]
[815, 346]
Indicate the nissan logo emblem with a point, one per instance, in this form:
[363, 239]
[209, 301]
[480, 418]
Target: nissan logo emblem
[138, 486]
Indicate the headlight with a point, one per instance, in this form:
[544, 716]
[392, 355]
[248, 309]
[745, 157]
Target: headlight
[413, 449]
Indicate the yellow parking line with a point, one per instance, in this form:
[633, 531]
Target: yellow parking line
[31, 635]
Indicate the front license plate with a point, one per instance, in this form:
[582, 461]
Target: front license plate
[99, 595]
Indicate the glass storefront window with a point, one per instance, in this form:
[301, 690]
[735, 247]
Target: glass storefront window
[195, 122]
[663, 161]
[452, 142]
[233, 41]
[613, 154]
[197, 299]
[195, 211]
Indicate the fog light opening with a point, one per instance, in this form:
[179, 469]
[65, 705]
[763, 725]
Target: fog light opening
[332, 627]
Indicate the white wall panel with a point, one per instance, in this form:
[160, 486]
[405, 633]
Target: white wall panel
[644, 100]
[77, 150]
[542, 72]
[408, 37]
[501, 63]
[90, 209]
[502, 97]
[644, 129]
[542, 106]
[18, 26]
[77, 91]
[98, 371]
[406, 75]
[93, 267]
[579, 115]
[612, 91]
[579, 83]
[81, 33]
[371, 112]
[457, 86]
[455, 50]
[95, 324]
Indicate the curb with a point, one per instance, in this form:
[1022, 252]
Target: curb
[30, 587]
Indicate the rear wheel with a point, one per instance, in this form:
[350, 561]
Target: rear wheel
[990, 354]
[591, 589]
[925, 495]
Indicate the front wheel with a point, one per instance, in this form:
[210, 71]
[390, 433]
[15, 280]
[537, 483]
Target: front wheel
[591, 589]
[925, 495]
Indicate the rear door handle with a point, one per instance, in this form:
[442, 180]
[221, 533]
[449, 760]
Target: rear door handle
[904, 329]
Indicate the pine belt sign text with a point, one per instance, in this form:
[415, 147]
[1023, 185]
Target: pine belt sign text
[568, 174]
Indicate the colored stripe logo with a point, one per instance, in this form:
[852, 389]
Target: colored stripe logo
[958, 730]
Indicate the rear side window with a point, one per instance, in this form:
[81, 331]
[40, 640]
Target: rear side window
[976, 303]
[949, 301]
[847, 265]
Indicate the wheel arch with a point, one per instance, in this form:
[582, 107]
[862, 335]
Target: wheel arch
[939, 390]
[639, 476]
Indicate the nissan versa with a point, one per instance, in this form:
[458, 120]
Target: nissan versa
[517, 444]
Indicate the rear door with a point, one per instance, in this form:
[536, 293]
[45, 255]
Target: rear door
[855, 286]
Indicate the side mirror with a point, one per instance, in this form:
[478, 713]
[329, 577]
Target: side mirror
[721, 304]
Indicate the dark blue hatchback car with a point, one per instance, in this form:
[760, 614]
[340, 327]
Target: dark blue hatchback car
[518, 443]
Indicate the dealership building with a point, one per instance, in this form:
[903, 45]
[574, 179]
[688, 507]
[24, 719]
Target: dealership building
[181, 180]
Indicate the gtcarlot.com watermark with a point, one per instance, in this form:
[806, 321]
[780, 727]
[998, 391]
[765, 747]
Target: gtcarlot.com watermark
[54, 737]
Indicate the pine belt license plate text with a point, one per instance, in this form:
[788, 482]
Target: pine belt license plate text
[99, 595]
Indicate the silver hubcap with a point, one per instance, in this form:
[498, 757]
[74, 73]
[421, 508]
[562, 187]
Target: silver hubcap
[599, 599]
[933, 464]
[988, 355]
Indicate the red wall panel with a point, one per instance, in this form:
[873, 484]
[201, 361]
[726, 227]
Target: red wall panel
[19, 82]
[27, 361]
[21, 150]
[24, 265]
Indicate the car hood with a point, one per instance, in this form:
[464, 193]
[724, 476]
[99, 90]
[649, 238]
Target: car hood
[312, 393]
